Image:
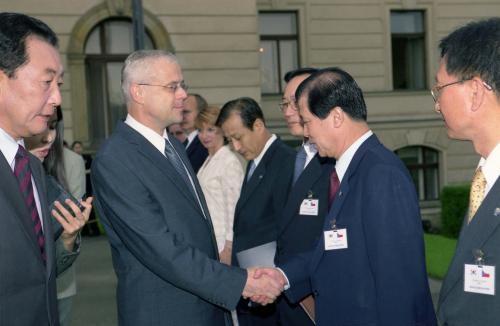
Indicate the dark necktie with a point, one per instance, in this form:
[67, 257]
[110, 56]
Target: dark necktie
[300, 162]
[185, 142]
[179, 166]
[22, 172]
[334, 187]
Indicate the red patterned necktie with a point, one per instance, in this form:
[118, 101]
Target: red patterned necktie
[22, 172]
[334, 187]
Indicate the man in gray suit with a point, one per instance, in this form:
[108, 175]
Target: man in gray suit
[30, 76]
[467, 94]
[163, 246]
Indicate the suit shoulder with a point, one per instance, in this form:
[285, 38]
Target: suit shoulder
[283, 149]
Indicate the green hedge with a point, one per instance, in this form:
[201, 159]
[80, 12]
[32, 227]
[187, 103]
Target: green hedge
[454, 203]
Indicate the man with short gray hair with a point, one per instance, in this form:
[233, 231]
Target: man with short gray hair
[159, 227]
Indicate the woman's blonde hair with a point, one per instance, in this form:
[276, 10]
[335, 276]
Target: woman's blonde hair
[208, 116]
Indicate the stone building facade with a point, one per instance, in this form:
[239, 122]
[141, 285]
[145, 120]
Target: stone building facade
[233, 48]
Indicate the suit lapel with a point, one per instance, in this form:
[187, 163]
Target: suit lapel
[145, 148]
[249, 186]
[300, 189]
[473, 236]
[335, 211]
[192, 147]
[10, 190]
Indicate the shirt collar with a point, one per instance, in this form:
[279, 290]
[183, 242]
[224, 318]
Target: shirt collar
[148, 133]
[310, 149]
[257, 160]
[192, 136]
[491, 167]
[9, 147]
[345, 159]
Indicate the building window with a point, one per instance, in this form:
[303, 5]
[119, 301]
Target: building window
[107, 46]
[423, 164]
[408, 50]
[278, 48]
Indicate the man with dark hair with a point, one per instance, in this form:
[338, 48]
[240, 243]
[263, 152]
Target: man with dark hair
[263, 194]
[30, 76]
[467, 95]
[302, 219]
[368, 268]
[197, 153]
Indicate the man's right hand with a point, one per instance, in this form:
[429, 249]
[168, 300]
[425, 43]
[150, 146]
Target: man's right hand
[263, 286]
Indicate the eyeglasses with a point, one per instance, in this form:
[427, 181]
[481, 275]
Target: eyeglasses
[437, 89]
[292, 104]
[172, 88]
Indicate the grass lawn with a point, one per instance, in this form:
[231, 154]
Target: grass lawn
[438, 253]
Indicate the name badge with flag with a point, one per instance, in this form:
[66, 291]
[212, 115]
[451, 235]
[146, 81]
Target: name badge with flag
[309, 206]
[336, 239]
[479, 279]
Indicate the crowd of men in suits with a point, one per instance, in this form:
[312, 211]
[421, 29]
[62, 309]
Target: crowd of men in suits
[335, 226]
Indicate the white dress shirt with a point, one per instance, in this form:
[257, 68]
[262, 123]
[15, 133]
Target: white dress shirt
[268, 144]
[345, 159]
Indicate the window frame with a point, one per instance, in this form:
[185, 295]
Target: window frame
[422, 35]
[282, 37]
[423, 167]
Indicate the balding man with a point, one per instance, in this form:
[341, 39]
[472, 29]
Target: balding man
[368, 267]
[196, 152]
[163, 246]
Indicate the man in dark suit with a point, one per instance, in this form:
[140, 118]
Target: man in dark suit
[467, 95]
[368, 267]
[30, 75]
[196, 152]
[163, 247]
[264, 191]
[301, 222]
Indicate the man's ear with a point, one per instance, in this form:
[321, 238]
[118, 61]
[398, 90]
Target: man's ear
[337, 116]
[136, 93]
[478, 93]
[3, 79]
[258, 124]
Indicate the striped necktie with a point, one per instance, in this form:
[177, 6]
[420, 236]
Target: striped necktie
[181, 169]
[22, 172]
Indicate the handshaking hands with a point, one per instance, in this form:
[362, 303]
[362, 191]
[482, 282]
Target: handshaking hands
[264, 285]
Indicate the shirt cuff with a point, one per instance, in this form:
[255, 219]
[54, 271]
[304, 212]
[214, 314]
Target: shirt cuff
[287, 285]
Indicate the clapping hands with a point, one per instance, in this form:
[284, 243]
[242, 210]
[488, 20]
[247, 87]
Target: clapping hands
[264, 285]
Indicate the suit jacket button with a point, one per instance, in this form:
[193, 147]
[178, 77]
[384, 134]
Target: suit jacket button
[316, 293]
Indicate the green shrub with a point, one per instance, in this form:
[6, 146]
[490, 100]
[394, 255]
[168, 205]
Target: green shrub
[454, 203]
[439, 251]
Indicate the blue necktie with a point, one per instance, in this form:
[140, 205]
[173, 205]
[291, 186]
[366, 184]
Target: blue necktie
[251, 169]
[300, 162]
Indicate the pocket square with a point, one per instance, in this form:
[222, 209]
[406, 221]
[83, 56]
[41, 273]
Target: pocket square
[497, 211]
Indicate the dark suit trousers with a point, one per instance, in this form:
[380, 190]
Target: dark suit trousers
[256, 315]
[291, 314]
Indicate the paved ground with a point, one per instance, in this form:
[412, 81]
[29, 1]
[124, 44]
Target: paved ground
[95, 304]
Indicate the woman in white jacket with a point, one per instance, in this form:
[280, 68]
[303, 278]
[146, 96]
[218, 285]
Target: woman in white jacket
[221, 177]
